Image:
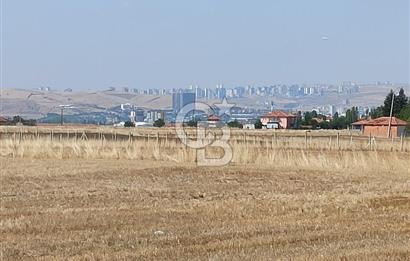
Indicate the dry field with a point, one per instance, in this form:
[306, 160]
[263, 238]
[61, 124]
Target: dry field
[98, 199]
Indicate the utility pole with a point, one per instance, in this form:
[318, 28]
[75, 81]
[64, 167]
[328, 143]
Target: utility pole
[62, 116]
[391, 115]
[62, 107]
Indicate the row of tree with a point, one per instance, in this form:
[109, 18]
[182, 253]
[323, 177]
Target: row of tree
[401, 110]
[314, 120]
[401, 106]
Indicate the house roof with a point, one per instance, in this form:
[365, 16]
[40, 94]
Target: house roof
[382, 121]
[213, 118]
[2, 119]
[279, 114]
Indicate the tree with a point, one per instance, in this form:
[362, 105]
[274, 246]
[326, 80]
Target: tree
[129, 124]
[307, 117]
[405, 113]
[192, 123]
[325, 125]
[400, 102]
[339, 123]
[235, 124]
[376, 113]
[159, 123]
[258, 124]
[352, 115]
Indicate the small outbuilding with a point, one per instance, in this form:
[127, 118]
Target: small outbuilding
[379, 127]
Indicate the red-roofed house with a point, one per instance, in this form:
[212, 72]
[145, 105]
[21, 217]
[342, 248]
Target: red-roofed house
[213, 121]
[380, 127]
[285, 120]
[3, 121]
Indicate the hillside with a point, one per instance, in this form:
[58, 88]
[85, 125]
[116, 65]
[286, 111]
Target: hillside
[36, 104]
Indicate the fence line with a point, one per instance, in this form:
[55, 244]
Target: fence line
[273, 141]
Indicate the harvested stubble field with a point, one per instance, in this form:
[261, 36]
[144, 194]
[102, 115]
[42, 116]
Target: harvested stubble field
[148, 200]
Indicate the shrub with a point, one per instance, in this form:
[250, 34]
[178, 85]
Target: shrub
[258, 124]
[235, 124]
[129, 124]
[159, 123]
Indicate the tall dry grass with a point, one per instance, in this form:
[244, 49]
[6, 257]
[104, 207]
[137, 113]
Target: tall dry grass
[292, 154]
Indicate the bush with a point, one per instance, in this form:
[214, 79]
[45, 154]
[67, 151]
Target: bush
[129, 124]
[192, 123]
[159, 123]
[235, 124]
[258, 124]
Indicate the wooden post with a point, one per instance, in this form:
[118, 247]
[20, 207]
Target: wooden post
[402, 142]
[166, 138]
[392, 143]
[338, 140]
[245, 141]
[51, 135]
[370, 141]
[306, 140]
[84, 136]
[330, 142]
[271, 144]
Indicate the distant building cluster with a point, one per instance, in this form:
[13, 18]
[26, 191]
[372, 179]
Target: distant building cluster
[279, 90]
[180, 98]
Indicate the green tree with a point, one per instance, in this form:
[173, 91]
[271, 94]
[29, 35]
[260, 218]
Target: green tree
[258, 124]
[192, 123]
[405, 113]
[235, 124]
[376, 113]
[325, 125]
[129, 124]
[400, 102]
[307, 117]
[159, 123]
[352, 115]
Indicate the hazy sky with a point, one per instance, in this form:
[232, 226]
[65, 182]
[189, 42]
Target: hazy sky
[166, 44]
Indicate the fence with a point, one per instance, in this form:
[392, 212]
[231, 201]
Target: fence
[302, 140]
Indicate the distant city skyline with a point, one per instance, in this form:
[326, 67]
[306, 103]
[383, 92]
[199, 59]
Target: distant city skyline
[173, 44]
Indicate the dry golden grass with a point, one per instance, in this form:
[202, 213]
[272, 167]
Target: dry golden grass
[285, 154]
[93, 199]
